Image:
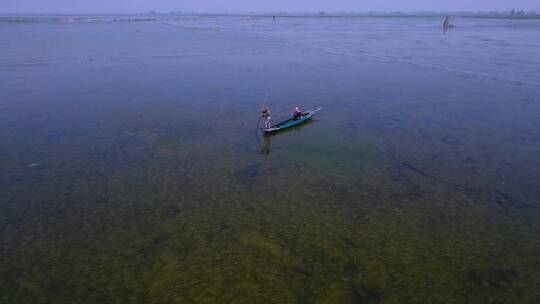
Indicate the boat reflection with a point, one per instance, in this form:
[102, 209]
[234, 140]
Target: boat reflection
[267, 145]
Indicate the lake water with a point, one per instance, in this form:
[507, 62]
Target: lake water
[131, 171]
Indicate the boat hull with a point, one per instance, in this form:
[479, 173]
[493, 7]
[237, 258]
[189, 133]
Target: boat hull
[291, 122]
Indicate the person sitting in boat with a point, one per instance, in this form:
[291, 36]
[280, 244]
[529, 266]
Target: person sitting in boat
[265, 113]
[297, 113]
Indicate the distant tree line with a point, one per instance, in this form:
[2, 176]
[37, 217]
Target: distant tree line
[511, 13]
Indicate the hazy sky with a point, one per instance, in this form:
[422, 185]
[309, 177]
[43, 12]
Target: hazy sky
[136, 6]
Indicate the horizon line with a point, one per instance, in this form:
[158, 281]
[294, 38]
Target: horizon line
[154, 12]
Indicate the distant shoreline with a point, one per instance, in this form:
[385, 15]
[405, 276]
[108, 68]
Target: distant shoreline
[155, 16]
[513, 14]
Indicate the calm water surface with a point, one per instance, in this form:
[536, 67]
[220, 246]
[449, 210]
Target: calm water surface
[131, 172]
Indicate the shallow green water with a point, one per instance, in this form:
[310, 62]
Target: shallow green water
[131, 172]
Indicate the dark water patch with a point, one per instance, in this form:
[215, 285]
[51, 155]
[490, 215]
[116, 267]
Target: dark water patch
[160, 240]
[471, 161]
[170, 143]
[365, 296]
[419, 171]
[504, 200]
[493, 277]
[450, 140]
[389, 124]
[417, 190]
[250, 175]
[336, 190]
[466, 189]
[351, 270]
[168, 211]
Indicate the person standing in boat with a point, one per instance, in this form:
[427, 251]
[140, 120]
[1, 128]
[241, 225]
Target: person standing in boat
[265, 113]
[447, 25]
[297, 113]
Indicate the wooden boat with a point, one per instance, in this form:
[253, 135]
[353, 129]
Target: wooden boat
[292, 122]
